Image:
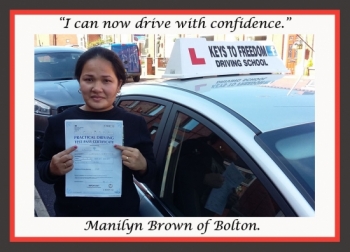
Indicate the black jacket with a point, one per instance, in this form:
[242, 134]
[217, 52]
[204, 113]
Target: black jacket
[136, 135]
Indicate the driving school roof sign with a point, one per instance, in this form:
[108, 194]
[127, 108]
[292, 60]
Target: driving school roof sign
[196, 57]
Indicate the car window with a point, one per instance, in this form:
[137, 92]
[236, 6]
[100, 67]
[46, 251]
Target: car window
[295, 148]
[55, 65]
[204, 176]
[151, 112]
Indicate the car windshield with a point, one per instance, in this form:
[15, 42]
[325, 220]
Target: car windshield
[55, 65]
[295, 148]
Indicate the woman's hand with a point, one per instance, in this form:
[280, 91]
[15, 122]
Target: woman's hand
[214, 180]
[62, 162]
[132, 158]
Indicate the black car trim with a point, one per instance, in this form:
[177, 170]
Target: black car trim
[156, 100]
[153, 199]
[157, 144]
[292, 176]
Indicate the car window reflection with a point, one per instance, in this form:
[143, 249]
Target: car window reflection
[55, 66]
[151, 112]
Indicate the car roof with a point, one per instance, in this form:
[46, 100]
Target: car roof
[250, 96]
[234, 75]
[45, 49]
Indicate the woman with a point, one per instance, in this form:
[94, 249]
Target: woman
[100, 74]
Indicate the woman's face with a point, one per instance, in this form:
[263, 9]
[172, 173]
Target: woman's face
[99, 85]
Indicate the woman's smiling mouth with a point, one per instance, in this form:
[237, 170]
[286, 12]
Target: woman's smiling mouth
[96, 98]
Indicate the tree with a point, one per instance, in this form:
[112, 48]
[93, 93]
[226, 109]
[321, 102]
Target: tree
[100, 42]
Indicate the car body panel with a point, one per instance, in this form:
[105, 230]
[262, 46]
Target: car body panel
[45, 49]
[58, 93]
[264, 107]
[202, 102]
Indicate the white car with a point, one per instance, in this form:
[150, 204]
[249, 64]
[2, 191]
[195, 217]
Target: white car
[226, 143]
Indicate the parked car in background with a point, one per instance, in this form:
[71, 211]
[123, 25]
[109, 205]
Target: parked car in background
[130, 56]
[76, 46]
[55, 87]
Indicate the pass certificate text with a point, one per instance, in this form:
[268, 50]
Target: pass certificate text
[97, 165]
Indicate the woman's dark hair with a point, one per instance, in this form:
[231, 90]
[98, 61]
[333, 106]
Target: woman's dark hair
[104, 53]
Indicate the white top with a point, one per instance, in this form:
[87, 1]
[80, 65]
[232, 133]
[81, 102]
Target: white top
[196, 57]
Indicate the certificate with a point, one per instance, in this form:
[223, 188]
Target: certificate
[217, 199]
[97, 165]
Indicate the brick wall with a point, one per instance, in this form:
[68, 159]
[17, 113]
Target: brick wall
[93, 37]
[61, 39]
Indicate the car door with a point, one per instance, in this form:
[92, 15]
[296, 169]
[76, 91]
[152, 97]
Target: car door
[202, 171]
[134, 61]
[193, 149]
[156, 113]
[124, 54]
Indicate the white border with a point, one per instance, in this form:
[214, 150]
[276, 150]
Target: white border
[322, 225]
